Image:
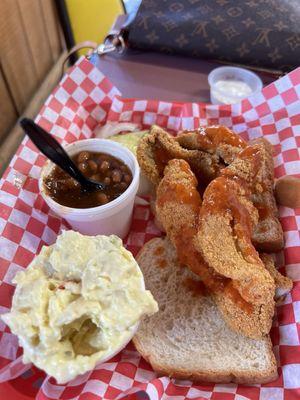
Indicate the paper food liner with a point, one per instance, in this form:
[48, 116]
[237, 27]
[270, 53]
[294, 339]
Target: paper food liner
[83, 101]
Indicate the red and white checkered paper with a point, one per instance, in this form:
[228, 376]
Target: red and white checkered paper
[82, 101]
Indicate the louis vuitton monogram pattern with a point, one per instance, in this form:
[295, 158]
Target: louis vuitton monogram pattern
[262, 33]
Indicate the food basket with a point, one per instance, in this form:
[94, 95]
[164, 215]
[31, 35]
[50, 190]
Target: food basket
[82, 102]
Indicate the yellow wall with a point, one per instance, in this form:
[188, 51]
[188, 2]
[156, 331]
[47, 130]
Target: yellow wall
[92, 19]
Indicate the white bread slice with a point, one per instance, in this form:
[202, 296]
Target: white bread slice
[187, 338]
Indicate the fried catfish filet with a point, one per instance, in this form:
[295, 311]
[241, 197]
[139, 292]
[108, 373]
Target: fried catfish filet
[158, 148]
[283, 284]
[208, 151]
[246, 309]
[218, 140]
[267, 234]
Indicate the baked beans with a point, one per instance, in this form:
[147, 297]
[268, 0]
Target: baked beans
[100, 167]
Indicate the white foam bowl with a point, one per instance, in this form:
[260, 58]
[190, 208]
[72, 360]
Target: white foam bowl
[111, 218]
[232, 73]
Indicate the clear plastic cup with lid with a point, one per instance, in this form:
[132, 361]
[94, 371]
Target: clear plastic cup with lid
[230, 85]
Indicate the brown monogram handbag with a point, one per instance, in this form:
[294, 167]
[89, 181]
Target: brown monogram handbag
[263, 34]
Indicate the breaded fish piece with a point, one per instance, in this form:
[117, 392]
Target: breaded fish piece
[156, 149]
[254, 322]
[216, 139]
[221, 141]
[283, 284]
[178, 205]
[208, 150]
[224, 239]
[226, 221]
[267, 235]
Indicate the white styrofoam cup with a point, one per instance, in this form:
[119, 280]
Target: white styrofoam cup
[111, 218]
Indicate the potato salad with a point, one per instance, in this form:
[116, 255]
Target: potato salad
[78, 303]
